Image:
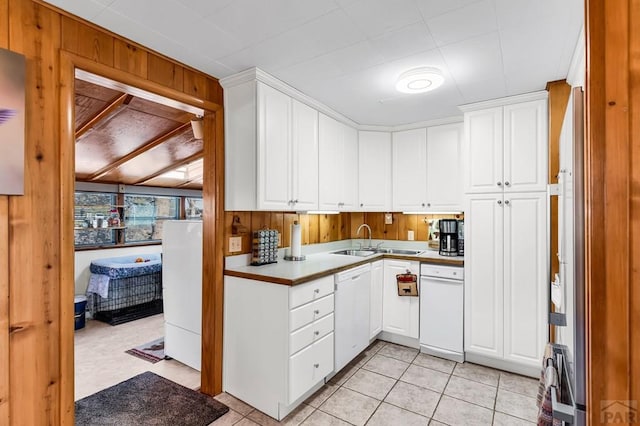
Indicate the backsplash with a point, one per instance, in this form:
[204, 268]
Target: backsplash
[324, 228]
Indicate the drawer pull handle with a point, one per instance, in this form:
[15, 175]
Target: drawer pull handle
[316, 333]
[316, 365]
[316, 311]
[317, 290]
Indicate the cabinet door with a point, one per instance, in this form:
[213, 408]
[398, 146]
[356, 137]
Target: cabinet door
[274, 157]
[482, 151]
[525, 277]
[374, 171]
[410, 170]
[375, 309]
[310, 366]
[304, 144]
[525, 146]
[349, 181]
[400, 314]
[331, 163]
[483, 273]
[444, 181]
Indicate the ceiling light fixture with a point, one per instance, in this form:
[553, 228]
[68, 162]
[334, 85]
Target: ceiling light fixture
[197, 125]
[419, 80]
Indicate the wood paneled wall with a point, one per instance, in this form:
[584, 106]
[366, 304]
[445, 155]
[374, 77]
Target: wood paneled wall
[324, 228]
[612, 193]
[36, 254]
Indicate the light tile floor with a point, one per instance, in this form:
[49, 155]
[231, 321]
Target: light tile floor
[390, 384]
[101, 361]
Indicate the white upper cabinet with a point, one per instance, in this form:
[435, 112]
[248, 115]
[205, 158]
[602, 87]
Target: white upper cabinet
[271, 150]
[426, 169]
[444, 180]
[338, 165]
[374, 171]
[505, 148]
[409, 170]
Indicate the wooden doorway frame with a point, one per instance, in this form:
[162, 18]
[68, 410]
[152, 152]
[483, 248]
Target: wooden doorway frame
[213, 223]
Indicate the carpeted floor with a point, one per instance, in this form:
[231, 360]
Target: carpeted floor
[148, 399]
[152, 351]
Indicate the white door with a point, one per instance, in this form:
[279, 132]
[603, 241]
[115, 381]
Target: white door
[274, 157]
[483, 272]
[349, 182]
[400, 314]
[444, 180]
[410, 170]
[376, 294]
[374, 171]
[330, 163]
[304, 150]
[482, 151]
[525, 146]
[441, 313]
[525, 277]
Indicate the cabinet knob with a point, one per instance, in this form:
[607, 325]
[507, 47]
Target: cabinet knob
[499, 183]
[317, 333]
[506, 183]
[316, 365]
[316, 312]
[295, 201]
[422, 204]
[361, 204]
[317, 290]
[506, 202]
[428, 204]
[499, 202]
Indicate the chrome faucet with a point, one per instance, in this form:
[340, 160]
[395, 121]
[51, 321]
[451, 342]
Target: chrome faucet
[364, 225]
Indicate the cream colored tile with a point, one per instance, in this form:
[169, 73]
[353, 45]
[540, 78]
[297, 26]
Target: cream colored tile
[517, 405]
[477, 373]
[434, 363]
[386, 366]
[371, 384]
[232, 417]
[247, 422]
[344, 374]
[319, 418]
[234, 403]
[402, 353]
[350, 406]
[470, 391]
[413, 398]
[387, 414]
[294, 418]
[436, 423]
[460, 413]
[501, 419]
[321, 395]
[519, 384]
[425, 377]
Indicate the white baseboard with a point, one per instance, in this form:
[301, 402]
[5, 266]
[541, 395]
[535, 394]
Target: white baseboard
[442, 353]
[399, 340]
[501, 364]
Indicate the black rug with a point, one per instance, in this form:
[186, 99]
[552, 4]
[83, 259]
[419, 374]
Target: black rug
[148, 399]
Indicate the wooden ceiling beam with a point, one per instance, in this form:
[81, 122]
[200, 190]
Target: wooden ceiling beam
[104, 112]
[144, 148]
[191, 158]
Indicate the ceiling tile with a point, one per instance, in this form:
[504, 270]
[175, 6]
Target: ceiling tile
[148, 13]
[375, 17]
[433, 8]
[406, 41]
[476, 59]
[470, 21]
[86, 9]
[206, 7]
[482, 90]
[514, 13]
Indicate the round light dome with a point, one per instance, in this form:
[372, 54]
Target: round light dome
[419, 80]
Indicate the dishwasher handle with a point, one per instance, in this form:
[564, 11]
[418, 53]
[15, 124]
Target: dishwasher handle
[440, 279]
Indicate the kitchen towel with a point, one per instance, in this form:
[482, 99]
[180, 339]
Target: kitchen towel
[296, 239]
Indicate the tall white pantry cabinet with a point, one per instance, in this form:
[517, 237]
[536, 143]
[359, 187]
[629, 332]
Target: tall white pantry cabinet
[506, 232]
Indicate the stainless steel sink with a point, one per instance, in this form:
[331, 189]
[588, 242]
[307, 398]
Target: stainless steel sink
[352, 252]
[399, 251]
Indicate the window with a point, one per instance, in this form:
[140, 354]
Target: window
[193, 208]
[145, 215]
[90, 212]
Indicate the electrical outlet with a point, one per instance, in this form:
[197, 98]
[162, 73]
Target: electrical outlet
[121, 188]
[388, 219]
[235, 244]
[410, 236]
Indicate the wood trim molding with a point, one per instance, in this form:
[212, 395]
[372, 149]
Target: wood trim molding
[104, 112]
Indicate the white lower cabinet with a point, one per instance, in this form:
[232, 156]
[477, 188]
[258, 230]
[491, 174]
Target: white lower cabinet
[278, 341]
[375, 298]
[400, 314]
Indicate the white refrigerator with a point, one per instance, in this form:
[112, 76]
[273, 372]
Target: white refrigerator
[182, 290]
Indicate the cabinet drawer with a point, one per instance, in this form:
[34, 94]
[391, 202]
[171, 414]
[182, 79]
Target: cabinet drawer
[309, 366]
[312, 332]
[305, 293]
[310, 312]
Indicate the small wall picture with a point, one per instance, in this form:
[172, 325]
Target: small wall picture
[12, 117]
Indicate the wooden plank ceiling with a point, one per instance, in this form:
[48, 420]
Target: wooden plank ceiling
[121, 138]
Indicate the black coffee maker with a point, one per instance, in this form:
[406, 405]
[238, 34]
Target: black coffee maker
[448, 237]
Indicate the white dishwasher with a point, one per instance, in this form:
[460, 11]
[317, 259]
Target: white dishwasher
[441, 311]
[351, 313]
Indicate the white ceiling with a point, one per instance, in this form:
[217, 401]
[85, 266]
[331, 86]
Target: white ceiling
[348, 53]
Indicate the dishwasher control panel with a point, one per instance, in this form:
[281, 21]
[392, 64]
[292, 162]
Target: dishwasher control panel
[450, 272]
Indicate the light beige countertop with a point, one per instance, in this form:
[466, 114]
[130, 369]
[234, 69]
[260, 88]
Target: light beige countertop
[322, 264]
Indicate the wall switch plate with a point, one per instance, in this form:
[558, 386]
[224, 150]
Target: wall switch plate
[388, 219]
[235, 244]
[410, 236]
